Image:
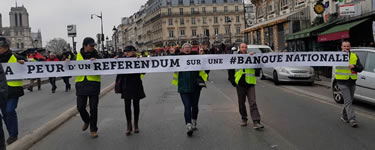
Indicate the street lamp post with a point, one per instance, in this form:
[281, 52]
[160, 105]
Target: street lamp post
[115, 32]
[101, 23]
[229, 21]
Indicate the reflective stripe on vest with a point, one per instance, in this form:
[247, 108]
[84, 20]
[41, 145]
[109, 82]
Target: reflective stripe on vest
[344, 72]
[249, 76]
[202, 74]
[89, 78]
[17, 83]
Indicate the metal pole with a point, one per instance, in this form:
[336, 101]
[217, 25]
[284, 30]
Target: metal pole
[244, 15]
[102, 36]
[74, 45]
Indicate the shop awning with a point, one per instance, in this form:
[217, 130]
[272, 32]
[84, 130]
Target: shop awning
[269, 22]
[338, 32]
[309, 32]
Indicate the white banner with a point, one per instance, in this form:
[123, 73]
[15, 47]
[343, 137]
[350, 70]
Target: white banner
[172, 64]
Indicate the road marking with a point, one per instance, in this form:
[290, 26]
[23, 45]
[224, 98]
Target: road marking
[321, 99]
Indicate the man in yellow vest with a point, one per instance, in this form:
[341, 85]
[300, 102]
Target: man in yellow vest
[245, 81]
[88, 87]
[15, 91]
[346, 77]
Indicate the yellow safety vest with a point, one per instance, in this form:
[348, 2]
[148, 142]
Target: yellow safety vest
[89, 78]
[202, 74]
[344, 72]
[17, 83]
[249, 76]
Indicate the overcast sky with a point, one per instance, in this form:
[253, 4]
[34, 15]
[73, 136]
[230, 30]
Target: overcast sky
[52, 16]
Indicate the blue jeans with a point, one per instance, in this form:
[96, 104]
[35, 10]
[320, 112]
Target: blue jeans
[190, 101]
[10, 116]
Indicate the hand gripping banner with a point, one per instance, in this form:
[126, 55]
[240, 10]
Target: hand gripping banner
[172, 64]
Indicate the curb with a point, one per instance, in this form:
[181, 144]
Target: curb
[30, 139]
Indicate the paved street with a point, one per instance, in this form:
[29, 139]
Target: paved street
[292, 121]
[38, 107]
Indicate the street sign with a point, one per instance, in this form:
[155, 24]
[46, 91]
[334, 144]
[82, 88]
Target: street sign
[72, 30]
[373, 29]
[347, 10]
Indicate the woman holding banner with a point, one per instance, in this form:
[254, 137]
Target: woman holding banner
[189, 85]
[131, 88]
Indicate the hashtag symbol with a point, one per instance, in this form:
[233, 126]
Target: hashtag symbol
[233, 60]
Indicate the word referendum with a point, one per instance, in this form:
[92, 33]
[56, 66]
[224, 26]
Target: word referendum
[172, 64]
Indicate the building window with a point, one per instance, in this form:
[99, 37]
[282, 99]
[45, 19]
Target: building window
[18, 45]
[216, 20]
[216, 31]
[225, 8]
[193, 32]
[22, 46]
[236, 8]
[203, 2]
[298, 2]
[235, 0]
[181, 11]
[238, 30]
[20, 15]
[204, 20]
[225, 1]
[192, 20]
[214, 9]
[182, 21]
[192, 10]
[16, 19]
[271, 7]
[191, 1]
[206, 32]
[213, 1]
[182, 32]
[203, 9]
[227, 30]
[169, 11]
[171, 34]
[180, 2]
[283, 3]
[237, 18]
[170, 21]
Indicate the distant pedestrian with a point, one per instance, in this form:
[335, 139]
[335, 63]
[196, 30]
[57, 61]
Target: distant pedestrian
[346, 77]
[131, 89]
[52, 80]
[35, 56]
[3, 100]
[88, 87]
[67, 56]
[245, 81]
[189, 85]
[172, 50]
[15, 91]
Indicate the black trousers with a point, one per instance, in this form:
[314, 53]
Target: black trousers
[52, 80]
[2, 138]
[66, 81]
[128, 110]
[91, 118]
[248, 92]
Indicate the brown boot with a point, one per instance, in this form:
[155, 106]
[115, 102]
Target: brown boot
[136, 129]
[94, 134]
[129, 130]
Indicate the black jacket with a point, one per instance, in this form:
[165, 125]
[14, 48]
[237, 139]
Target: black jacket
[13, 92]
[3, 87]
[87, 88]
[130, 86]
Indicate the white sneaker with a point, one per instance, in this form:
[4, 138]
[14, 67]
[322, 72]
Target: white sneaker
[194, 124]
[190, 130]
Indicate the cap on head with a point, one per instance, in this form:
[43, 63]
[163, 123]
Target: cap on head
[4, 42]
[130, 48]
[88, 41]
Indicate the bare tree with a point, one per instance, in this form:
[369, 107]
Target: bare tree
[57, 45]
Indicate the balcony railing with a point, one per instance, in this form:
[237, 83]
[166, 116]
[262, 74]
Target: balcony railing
[165, 14]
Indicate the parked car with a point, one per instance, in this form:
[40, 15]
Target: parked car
[283, 74]
[365, 88]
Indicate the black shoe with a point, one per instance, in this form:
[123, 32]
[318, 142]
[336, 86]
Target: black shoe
[11, 139]
[39, 88]
[30, 89]
[85, 126]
